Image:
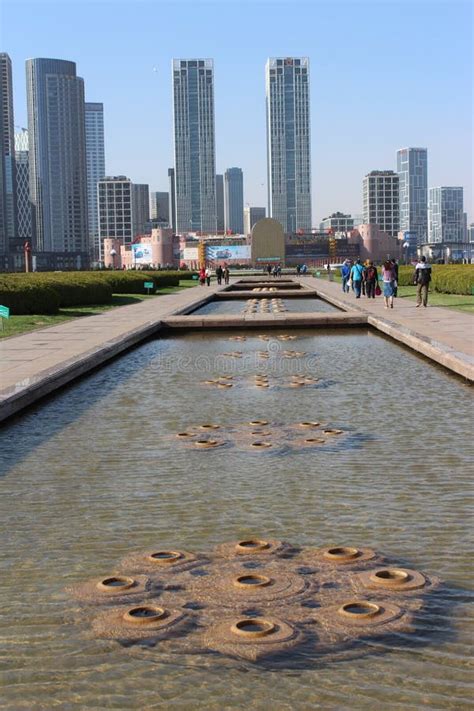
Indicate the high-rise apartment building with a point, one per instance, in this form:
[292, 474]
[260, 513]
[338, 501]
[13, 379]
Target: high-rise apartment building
[115, 210]
[58, 177]
[288, 142]
[220, 202]
[412, 168]
[8, 210]
[251, 216]
[446, 215]
[381, 201]
[194, 144]
[172, 193]
[22, 167]
[337, 222]
[234, 200]
[160, 207]
[141, 208]
[95, 163]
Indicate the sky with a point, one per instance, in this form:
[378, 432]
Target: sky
[384, 75]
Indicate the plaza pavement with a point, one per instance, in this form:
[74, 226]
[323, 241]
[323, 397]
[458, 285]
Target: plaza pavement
[37, 363]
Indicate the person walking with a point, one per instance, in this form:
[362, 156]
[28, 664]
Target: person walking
[395, 269]
[279, 270]
[219, 274]
[226, 274]
[345, 274]
[202, 276]
[298, 270]
[388, 277]
[208, 274]
[422, 278]
[370, 279]
[269, 269]
[357, 273]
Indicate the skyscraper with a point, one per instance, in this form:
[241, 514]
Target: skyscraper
[412, 168]
[115, 209]
[251, 216]
[172, 193]
[194, 144]
[95, 162]
[381, 201]
[160, 207]
[220, 201]
[141, 207]
[58, 178]
[22, 165]
[8, 217]
[234, 200]
[446, 216]
[288, 142]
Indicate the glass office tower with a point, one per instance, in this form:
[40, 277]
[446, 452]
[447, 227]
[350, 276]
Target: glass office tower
[58, 177]
[194, 145]
[234, 200]
[412, 168]
[95, 161]
[288, 142]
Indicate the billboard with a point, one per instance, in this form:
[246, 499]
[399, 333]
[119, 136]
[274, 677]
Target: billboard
[236, 252]
[191, 254]
[142, 254]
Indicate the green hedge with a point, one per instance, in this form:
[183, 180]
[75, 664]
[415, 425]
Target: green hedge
[445, 278]
[45, 292]
[28, 298]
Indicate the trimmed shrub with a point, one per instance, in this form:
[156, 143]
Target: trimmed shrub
[130, 282]
[445, 278]
[28, 298]
[72, 289]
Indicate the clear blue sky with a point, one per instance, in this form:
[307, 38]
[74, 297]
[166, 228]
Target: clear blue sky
[383, 75]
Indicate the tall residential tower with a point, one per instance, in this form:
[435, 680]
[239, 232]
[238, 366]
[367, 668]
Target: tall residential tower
[8, 212]
[234, 200]
[95, 161]
[194, 145]
[412, 169]
[381, 200]
[288, 142]
[58, 178]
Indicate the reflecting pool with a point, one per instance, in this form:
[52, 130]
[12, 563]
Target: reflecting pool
[96, 472]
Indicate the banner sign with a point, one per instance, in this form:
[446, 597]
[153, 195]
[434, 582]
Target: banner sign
[142, 254]
[231, 251]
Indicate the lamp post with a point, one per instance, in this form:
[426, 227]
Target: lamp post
[113, 254]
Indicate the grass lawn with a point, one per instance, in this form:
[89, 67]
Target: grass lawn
[16, 325]
[458, 302]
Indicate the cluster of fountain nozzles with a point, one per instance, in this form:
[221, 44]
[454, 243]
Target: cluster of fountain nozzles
[254, 599]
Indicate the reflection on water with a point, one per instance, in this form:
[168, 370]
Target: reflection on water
[237, 306]
[96, 472]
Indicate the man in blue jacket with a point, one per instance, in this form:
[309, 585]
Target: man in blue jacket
[345, 273]
[357, 272]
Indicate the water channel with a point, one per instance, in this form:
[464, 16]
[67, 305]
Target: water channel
[96, 472]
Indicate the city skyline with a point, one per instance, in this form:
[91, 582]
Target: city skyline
[353, 130]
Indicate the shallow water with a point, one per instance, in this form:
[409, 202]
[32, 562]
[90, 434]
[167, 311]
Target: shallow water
[237, 306]
[96, 472]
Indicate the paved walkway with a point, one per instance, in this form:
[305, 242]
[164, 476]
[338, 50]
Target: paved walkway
[442, 334]
[36, 363]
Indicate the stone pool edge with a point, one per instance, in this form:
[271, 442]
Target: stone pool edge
[29, 390]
